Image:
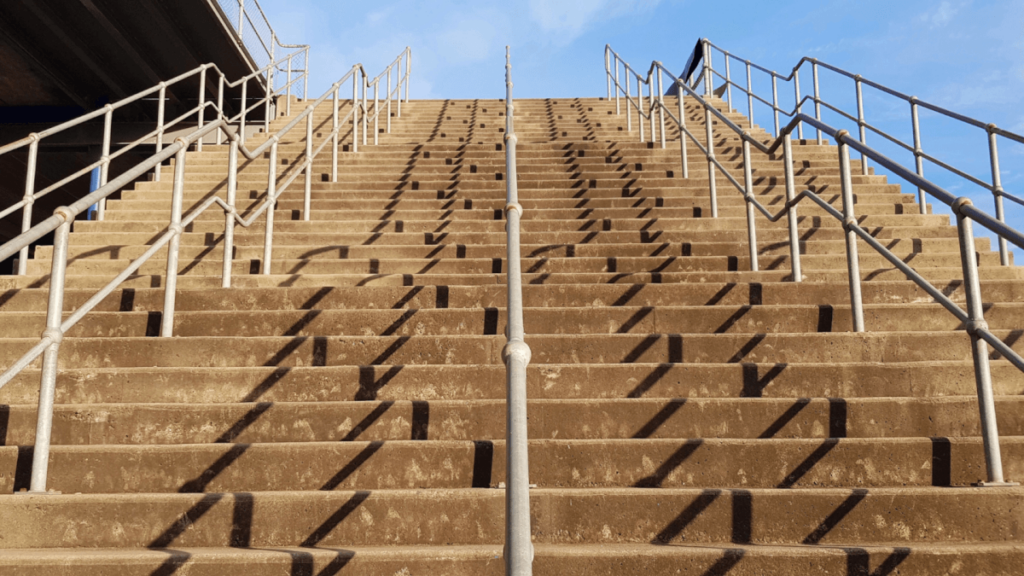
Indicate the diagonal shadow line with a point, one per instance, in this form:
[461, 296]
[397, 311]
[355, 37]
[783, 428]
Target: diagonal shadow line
[720, 294]
[753, 386]
[649, 381]
[635, 319]
[673, 462]
[369, 385]
[837, 515]
[303, 563]
[187, 519]
[369, 419]
[727, 562]
[785, 418]
[804, 467]
[640, 348]
[687, 516]
[338, 517]
[405, 317]
[858, 562]
[628, 295]
[353, 464]
[660, 418]
[747, 348]
[731, 320]
[176, 559]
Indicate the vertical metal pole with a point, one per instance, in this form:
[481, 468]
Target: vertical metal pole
[305, 77]
[861, 125]
[162, 97]
[791, 217]
[775, 102]
[366, 114]
[997, 191]
[220, 108]
[799, 106]
[376, 109]
[608, 74]
[108, 120]
[518, 550]
[849, 220]
[241, 120]
[650, 105]
[241, 16]
[288, 89]
[817, 97]
[48, 375]
[229, 215]
[202, 106]
[748, 197]
[639, 106]
[712, 186]
[728, 82]
[682, 132]
[661, 109]
[355, 109]
[307, 190]
[408, 70]
[268, 233]
[400, 82]
[979, 349]
[617, 109]
[334, 131]
[708, 80]
[389, 101]
[171, 285]
[922, 199]
[29, 199]
[629, 100]
[750, 100]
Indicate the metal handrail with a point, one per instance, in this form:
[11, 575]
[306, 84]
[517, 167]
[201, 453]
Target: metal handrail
[994, 185]
[973, 318]
[60, 223]
[516, 355]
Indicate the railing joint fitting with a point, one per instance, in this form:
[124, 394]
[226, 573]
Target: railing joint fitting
[516, 349]
[34, 137]
[56, 335]
[176, 229]
[849, 223]
[842, 134]
[182, 140]
[514, 206]
[958, 205]
[913, 99]
[918, 152]
[990, 127]
[974, 326]
[65, 213]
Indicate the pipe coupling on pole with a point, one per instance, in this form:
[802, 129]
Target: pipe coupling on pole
[516, 350]
[959, 203]
[56, 335]
[975, 326]
[840, 135]
[176, 229]
[514, 206]
[65, 213]
[511, 138]
[849, 223]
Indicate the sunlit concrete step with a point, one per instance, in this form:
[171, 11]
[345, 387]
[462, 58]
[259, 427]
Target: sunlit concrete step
[593, 419]
[474, 516]
[547, 349]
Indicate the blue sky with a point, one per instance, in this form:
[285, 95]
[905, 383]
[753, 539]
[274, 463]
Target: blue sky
[967, 55]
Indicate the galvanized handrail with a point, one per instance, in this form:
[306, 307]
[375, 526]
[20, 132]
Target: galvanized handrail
[994, 185]
[516, 355]
[107, 112]
[973, 318]
[60, 223]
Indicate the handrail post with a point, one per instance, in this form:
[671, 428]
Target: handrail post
[997, 191]
[220, 108]
[712, 186]
[650, 106]
[661, 109]
[399, 87]
[308, 184]
[108, 120]
[161, 98]
[791, 216]
[334, 131]
[708, 80]
[268, 233]
[617, 109]
[728, 82]
[861, 124]
[799, 106]
[241, 119]
[305, 76]
[849, 220]
[171, 282]
[288, 90]
[518, 550]
[639, 106]
[629, 111]
[408, 70]
[229, 214]
[748, 198]
[775, 102]
[750, 99]
[817, 99]
[376, 111]
[922, 199]
[48, 373]
[979, 348]
[366, 113]
[29, 199]
[388, 95]
[682, 132]
[202, 106]
[608, 74]
[355, 110]
[241, 17]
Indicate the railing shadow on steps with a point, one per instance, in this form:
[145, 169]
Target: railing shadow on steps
[60, 222]
[966, 213]
[518, 549]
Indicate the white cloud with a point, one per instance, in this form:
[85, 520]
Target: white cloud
[942, 14]
[380, 15]
[568, 19]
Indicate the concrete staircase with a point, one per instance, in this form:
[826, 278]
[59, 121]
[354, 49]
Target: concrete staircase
[345, 414]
